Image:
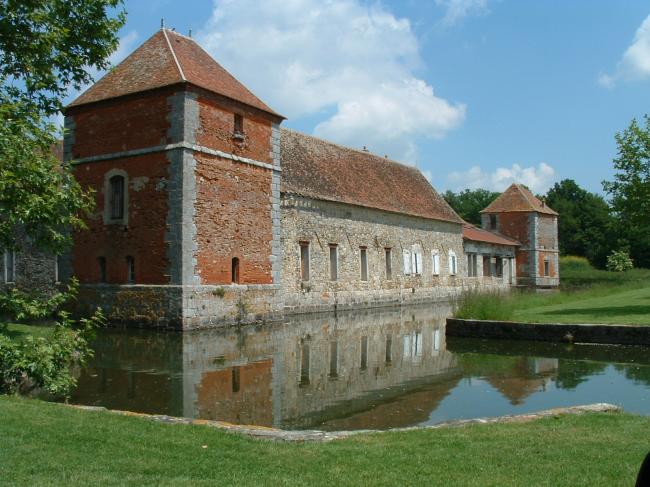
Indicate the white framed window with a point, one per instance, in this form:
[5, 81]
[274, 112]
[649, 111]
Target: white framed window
[453, 263]
[406, 253]
[416, 259]
[9, 266]
[436, 340]
[435, 263]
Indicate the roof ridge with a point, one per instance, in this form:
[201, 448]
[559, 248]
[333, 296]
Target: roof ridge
[171, 49]
[526, 192]
[360, 151]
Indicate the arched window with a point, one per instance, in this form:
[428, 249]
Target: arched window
[235, 270]
[116, 201]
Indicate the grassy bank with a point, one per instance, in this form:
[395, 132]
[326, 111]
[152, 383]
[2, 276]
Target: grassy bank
[49, 444]
[587, 295]
[18, 331]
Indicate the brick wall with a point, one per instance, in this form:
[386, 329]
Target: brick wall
[216, 124]
[515, 225]
[233, 219]
[120, 125]
[144, 236]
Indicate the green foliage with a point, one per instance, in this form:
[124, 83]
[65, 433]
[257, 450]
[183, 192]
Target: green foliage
[38, 195]
[48, 46]
[469, 203]
[37, 362]
[619, 261]
[25, 305]
[46, 363]
[585, 224]
[573, 263]
[630, 189]
[478, 305]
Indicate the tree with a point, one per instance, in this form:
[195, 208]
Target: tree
[585, 224]
[46, 48]
[469, 203]
[630, 189]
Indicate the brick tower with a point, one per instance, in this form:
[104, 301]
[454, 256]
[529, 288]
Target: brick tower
[518, 214]
[185, 162]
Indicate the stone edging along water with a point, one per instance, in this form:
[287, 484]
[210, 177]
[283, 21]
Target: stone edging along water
[322, 436]
[550, 332]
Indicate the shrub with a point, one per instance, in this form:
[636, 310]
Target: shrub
[619, 261]
[44, 363]
[574, 263]
[478, 305]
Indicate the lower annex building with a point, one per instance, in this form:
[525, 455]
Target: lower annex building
[208, 212]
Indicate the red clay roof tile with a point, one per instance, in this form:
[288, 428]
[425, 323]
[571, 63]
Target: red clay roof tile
[470, 232]
[517, 198]
[322, 170]
[165, 59]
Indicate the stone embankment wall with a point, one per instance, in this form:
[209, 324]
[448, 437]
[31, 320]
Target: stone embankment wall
[550, 332]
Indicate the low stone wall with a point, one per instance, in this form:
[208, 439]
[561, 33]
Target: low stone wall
[550, 332]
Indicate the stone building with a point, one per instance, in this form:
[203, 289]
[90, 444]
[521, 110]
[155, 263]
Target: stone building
[519, 215]
[207, 212]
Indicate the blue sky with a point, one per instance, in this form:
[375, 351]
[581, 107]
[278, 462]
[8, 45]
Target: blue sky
[476, 93]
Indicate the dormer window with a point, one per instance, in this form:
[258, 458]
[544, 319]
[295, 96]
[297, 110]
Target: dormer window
[238, 127]
[493, 222]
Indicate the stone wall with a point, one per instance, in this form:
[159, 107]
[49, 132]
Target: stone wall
[322, 224]
[180, 307]
[34, 271]
[489, 250]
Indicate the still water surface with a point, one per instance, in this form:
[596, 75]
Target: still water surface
[372, 369]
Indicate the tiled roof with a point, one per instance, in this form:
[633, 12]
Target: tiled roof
[470, 232]
[165, 59]
[322, 170]
[518, 198]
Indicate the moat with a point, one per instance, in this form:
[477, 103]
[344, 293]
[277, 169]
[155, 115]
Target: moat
[372, 369]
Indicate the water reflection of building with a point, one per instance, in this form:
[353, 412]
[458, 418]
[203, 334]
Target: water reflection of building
[364, 366]
[527, 376]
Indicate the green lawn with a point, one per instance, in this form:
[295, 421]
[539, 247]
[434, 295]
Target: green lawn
[49, 444]
[18, 331]
[618, 305]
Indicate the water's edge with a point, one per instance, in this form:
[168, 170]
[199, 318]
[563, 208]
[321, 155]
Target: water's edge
[323, 436]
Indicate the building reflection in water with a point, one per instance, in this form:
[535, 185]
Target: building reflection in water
[375, 369]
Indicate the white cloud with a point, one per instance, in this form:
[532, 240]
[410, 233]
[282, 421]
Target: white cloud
[635, 63]
[347, 66]
[457, 10]
[538, 178]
